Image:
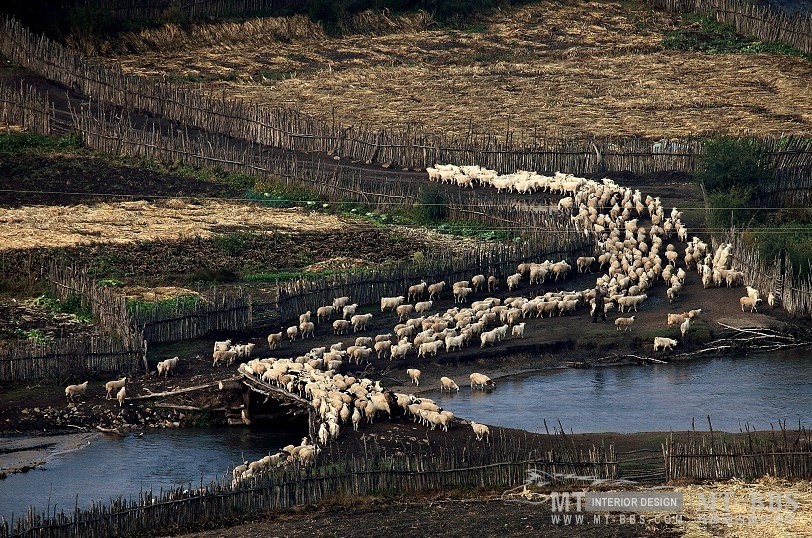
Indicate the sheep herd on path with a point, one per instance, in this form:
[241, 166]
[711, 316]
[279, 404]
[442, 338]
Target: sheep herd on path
[633, 260]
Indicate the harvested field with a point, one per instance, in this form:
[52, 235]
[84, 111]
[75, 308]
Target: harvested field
[530, 69]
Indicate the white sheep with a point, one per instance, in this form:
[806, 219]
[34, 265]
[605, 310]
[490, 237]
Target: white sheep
[625, 323]
[446, 383]
[399, 350]
[274, 339]
[481, 430]
[429, 348]
[304, 317]
[683, 328]
[359, 322]
[518, 330]
[307, 328]
[121, 395]
[414, 375]
[434, 291]
[166, 367]
[404, 310]
[481, 381]
[513, 281]
[665, 343]
[423, 306]
[382, 348]
[461, 294]
[225, 344]
[349, 310]
[292, 332]
[324, 313]
[452, 342]
[71, 391]
[416, 291]
[478, 282]
[111, 386]
[750, 303]
[390, 303]
[340, 302]
[340, 326]
[225, 356]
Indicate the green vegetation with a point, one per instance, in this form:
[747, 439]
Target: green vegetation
[432, 205]
[165, 307]
[704, 34]
[474, 230]
[72, 304]
[23, 142]
[34, 335]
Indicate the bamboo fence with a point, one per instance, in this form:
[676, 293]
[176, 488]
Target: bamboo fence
[716, 459]
[65, 358]
[25, 107]
[500, 464]
[291, 130]
[761, 21]
[792, 290]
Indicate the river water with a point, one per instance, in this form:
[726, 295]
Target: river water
[756, 390]
[110, 467]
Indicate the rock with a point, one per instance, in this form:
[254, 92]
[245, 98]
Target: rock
[25, 411]
[36, 410]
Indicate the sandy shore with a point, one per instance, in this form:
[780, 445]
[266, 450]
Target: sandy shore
[19, 454]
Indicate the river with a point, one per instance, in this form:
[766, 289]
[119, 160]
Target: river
[757, 390]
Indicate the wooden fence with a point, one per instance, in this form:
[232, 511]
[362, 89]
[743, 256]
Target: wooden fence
[717, 459]
[763, 22]
[291, 130]
[792, 290]
[26, 107]
[66, 359]
[186, 319]
[498, 465]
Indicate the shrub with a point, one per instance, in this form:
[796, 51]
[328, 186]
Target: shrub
[432, 205]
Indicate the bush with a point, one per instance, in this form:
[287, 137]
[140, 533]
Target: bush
[432, 205]
[733, 162]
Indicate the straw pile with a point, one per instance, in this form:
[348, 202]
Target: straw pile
[545, 68]
[794, 522]
[127, 222]
[160, 293]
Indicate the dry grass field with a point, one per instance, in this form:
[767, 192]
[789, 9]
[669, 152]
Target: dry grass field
[557, 68]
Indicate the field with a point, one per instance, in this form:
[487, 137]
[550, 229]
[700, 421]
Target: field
[550, 68]
[158, 231]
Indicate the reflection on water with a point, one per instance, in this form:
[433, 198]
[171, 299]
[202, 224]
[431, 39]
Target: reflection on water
[112, 467]
[757, 390]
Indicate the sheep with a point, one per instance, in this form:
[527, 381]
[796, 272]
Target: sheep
[665, 343]
[121, 395]
[446, 383]
[307, 328]
[324, 313]
[364, 341]
[673, 292]
[359, 322]
[225, 344]
[382, 337]
[226, 357]
[626, 323]
[752, 293]
[481, 430]
[631, 301]
[292, 332]
[304, 317]
[274, 339]
[423, 306]
[452, 342]
[684, 326]
[390, 303]
[434, 291]
[340, 302]
[481, 381]
[416, 291]
[749, 302]
[349, 310]
[488, 337]
[340, 326]
[771, 300]
[513, 281]
[676, 319]
[403, 311]
[478, 282]
[167, 366]
[414, 375]
[584, 263]
[382, 348]
[399, 350]
[429, 348]
[518, 330]
[493, 283]
[72, 391]
[461, 294]
[110, 386]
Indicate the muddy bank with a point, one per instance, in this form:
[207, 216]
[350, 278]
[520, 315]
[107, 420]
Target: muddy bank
[21, 454]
